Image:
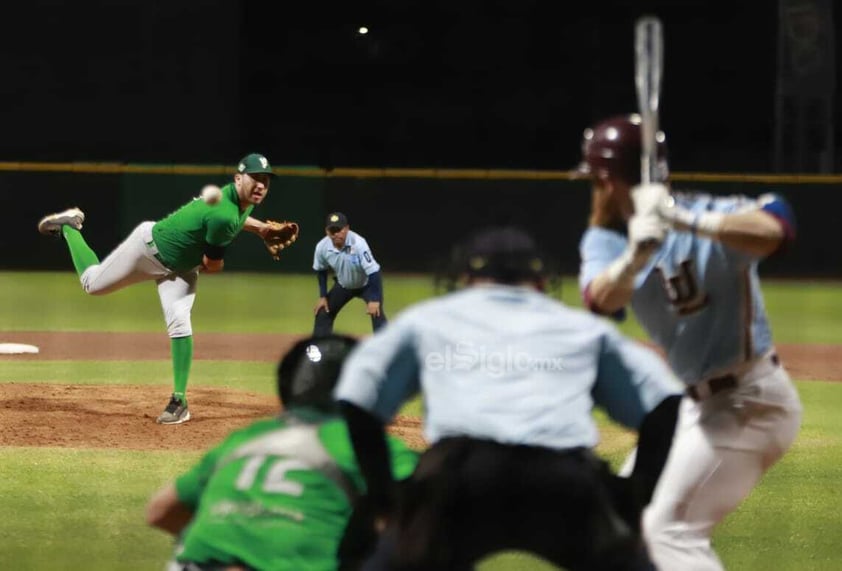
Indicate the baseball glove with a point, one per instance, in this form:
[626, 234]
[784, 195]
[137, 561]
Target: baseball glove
[279, 235]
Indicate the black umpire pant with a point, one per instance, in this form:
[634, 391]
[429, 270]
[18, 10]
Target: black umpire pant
[471, 498]
[337, 298]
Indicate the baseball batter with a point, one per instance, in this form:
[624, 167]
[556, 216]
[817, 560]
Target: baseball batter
[172, 252]
[509, 378]
[356, 274]
[278, 494]
[687, 264]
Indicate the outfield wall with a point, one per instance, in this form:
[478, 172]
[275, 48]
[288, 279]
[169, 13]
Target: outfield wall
[409, 216]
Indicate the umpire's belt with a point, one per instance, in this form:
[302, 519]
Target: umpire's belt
[709, 387]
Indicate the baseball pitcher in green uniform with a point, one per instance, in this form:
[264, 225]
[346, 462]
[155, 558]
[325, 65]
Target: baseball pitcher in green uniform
[279, 493]
[172, 252]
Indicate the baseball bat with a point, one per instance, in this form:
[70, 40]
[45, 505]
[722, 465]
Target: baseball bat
[649, 60]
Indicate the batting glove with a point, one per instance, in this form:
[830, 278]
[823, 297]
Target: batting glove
[646, 234]
[648, 198]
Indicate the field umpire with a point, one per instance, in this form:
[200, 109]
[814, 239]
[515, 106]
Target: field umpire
[356, 274]
[509, 378]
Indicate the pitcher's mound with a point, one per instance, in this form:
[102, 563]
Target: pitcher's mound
[123, 416]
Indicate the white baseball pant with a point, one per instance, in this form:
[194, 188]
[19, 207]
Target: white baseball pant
[134, 261]
[722, 447]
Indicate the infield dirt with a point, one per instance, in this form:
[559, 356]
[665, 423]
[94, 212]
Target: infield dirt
[123, 416]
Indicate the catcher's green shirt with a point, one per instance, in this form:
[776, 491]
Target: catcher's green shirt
[181, 237]
[276, 495]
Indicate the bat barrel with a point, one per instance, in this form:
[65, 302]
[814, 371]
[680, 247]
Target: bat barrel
[648, 72]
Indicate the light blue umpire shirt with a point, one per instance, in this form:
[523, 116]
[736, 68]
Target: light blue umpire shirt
[352, 264]
[508, 364]
[697, 298]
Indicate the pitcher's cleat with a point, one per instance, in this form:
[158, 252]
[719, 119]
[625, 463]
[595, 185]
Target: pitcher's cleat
[51, 224]
[175, 413]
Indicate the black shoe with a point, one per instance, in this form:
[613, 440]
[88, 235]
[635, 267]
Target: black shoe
[175, 413]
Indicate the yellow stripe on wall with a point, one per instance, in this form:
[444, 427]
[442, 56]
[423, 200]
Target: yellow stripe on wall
[449, 174]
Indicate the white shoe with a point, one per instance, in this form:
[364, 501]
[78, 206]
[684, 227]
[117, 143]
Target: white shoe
[51, 224]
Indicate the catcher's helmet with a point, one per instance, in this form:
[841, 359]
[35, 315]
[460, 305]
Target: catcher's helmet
[612, 147]
[507, 255]
[308, 373]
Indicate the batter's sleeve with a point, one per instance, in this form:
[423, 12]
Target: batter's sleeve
[598, 248]
[631, 379]
[381, 373]
[772, 204]
[779, 207]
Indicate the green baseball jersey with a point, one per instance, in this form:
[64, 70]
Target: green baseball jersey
[181, 237]
[277, 494]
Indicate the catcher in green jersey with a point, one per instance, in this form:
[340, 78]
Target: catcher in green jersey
[277, 494]
[172, 252]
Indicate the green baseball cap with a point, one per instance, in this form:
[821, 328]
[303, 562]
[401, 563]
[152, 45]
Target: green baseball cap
[254, 163]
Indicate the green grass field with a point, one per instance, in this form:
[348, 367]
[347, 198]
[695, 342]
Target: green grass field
[83, 508]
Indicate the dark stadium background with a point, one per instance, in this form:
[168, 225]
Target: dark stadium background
[435, 83]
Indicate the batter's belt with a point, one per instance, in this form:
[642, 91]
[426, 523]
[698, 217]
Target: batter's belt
[709, 387]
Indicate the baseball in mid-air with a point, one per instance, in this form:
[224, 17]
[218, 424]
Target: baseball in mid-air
[211, 194]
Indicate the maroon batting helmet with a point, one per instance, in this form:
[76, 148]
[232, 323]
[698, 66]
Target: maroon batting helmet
[611, 148]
